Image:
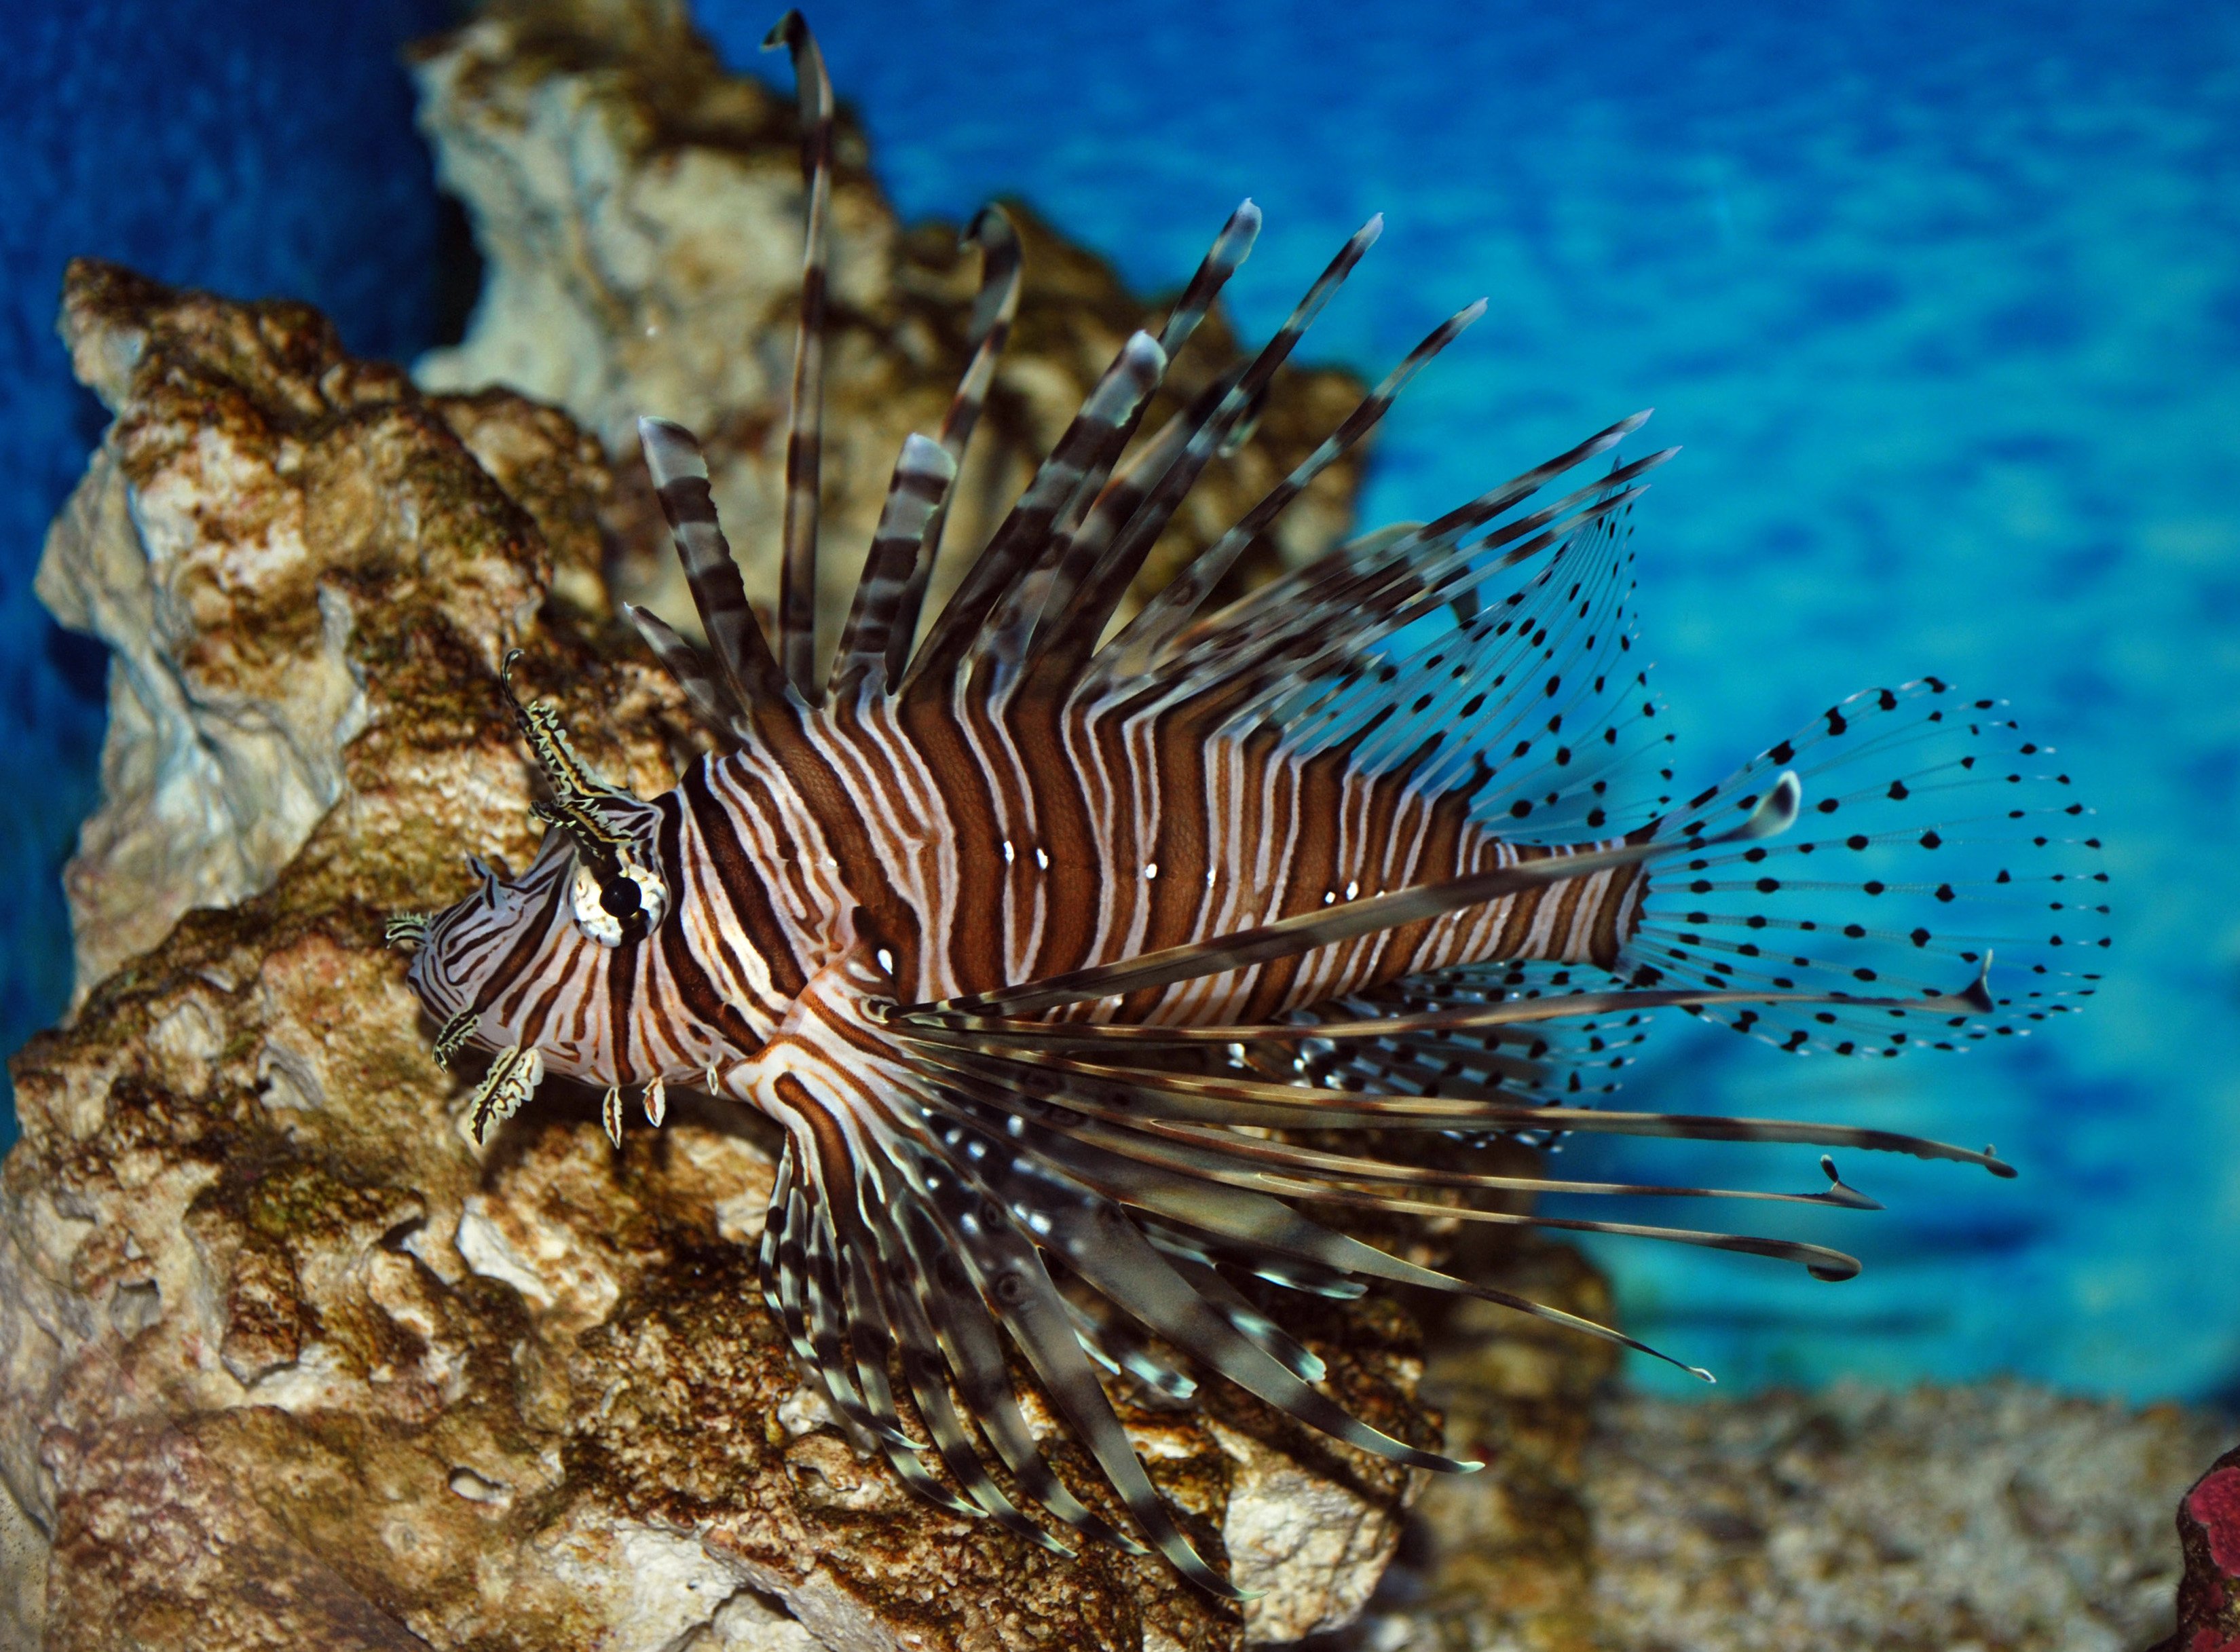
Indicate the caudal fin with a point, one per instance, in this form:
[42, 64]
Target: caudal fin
[1934, 838]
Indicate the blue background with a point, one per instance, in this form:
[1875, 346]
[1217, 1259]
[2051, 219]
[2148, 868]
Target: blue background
[1943, 301]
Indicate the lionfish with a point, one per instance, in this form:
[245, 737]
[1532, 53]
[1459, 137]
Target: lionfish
[1042, 946]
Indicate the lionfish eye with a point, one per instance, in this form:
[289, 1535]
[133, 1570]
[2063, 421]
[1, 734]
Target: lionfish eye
[611, 890]
[632, 900]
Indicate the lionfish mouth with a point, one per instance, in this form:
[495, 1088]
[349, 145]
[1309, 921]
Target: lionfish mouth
[1355, 853]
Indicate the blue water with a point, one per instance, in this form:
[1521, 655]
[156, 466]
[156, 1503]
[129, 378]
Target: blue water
[1943, 301]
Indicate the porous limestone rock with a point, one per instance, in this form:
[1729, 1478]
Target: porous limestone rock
[212, 545]
[639, 212]
[285, 1359]
[1500, 1559]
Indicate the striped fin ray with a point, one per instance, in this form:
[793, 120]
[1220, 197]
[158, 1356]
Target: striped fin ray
[1081, 550]
[1362, 593]
[970, 1342]
[801, 1290]
[855, 1343]
[1093, 1236]
[1121, 1350]
[1088, 443]
[1228, 1163]
[796, 600]
[1051, 587]
[915, 498]
[1291, 1106]
[713, 702]
[1316, 654]
[1528, 695]
[1174, 607]
[925, 1372]
[946, 1221]
[1109, 1115]
[1257, 1228]
[1230, 249]
[1948, 1007]
[1007, 1272]
[1551, 1062]
[746, 674]
[783, 1290]
[1076, 626]
[1303, 658]
[825, 1316]
[1036, 1320]
[889, 1335]
[994, 311]
[1245, 1315]
[1192, 1117]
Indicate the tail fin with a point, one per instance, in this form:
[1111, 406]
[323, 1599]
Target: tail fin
[1933, 836]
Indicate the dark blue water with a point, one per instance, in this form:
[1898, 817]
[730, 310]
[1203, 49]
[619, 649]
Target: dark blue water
[1943, 301]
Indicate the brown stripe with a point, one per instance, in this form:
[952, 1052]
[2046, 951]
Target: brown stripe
[1605, 943]
[810, 774]
[736, 874]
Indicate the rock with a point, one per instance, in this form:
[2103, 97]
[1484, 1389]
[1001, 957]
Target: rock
[286, 1360]
[638, 213]
[1504, 1553]
[2209, 1536]
[214, 545]
[1999, 1517]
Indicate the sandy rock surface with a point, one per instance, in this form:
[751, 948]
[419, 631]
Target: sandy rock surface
[285, 1359]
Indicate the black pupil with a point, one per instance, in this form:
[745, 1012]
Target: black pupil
[619, 896]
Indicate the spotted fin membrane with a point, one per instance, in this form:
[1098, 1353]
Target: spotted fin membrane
[1936, 838]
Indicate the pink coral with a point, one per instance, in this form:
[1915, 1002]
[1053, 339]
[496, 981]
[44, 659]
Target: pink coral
[2215, 1503]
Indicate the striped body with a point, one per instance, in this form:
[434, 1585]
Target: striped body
[986, 851]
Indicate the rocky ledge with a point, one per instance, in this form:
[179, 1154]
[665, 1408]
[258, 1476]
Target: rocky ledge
[285, 1359]
[1992, 1518]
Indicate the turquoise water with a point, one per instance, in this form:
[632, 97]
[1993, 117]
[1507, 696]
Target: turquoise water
[1944, 303]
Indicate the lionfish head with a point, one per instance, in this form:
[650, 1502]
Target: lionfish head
[599, 856]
